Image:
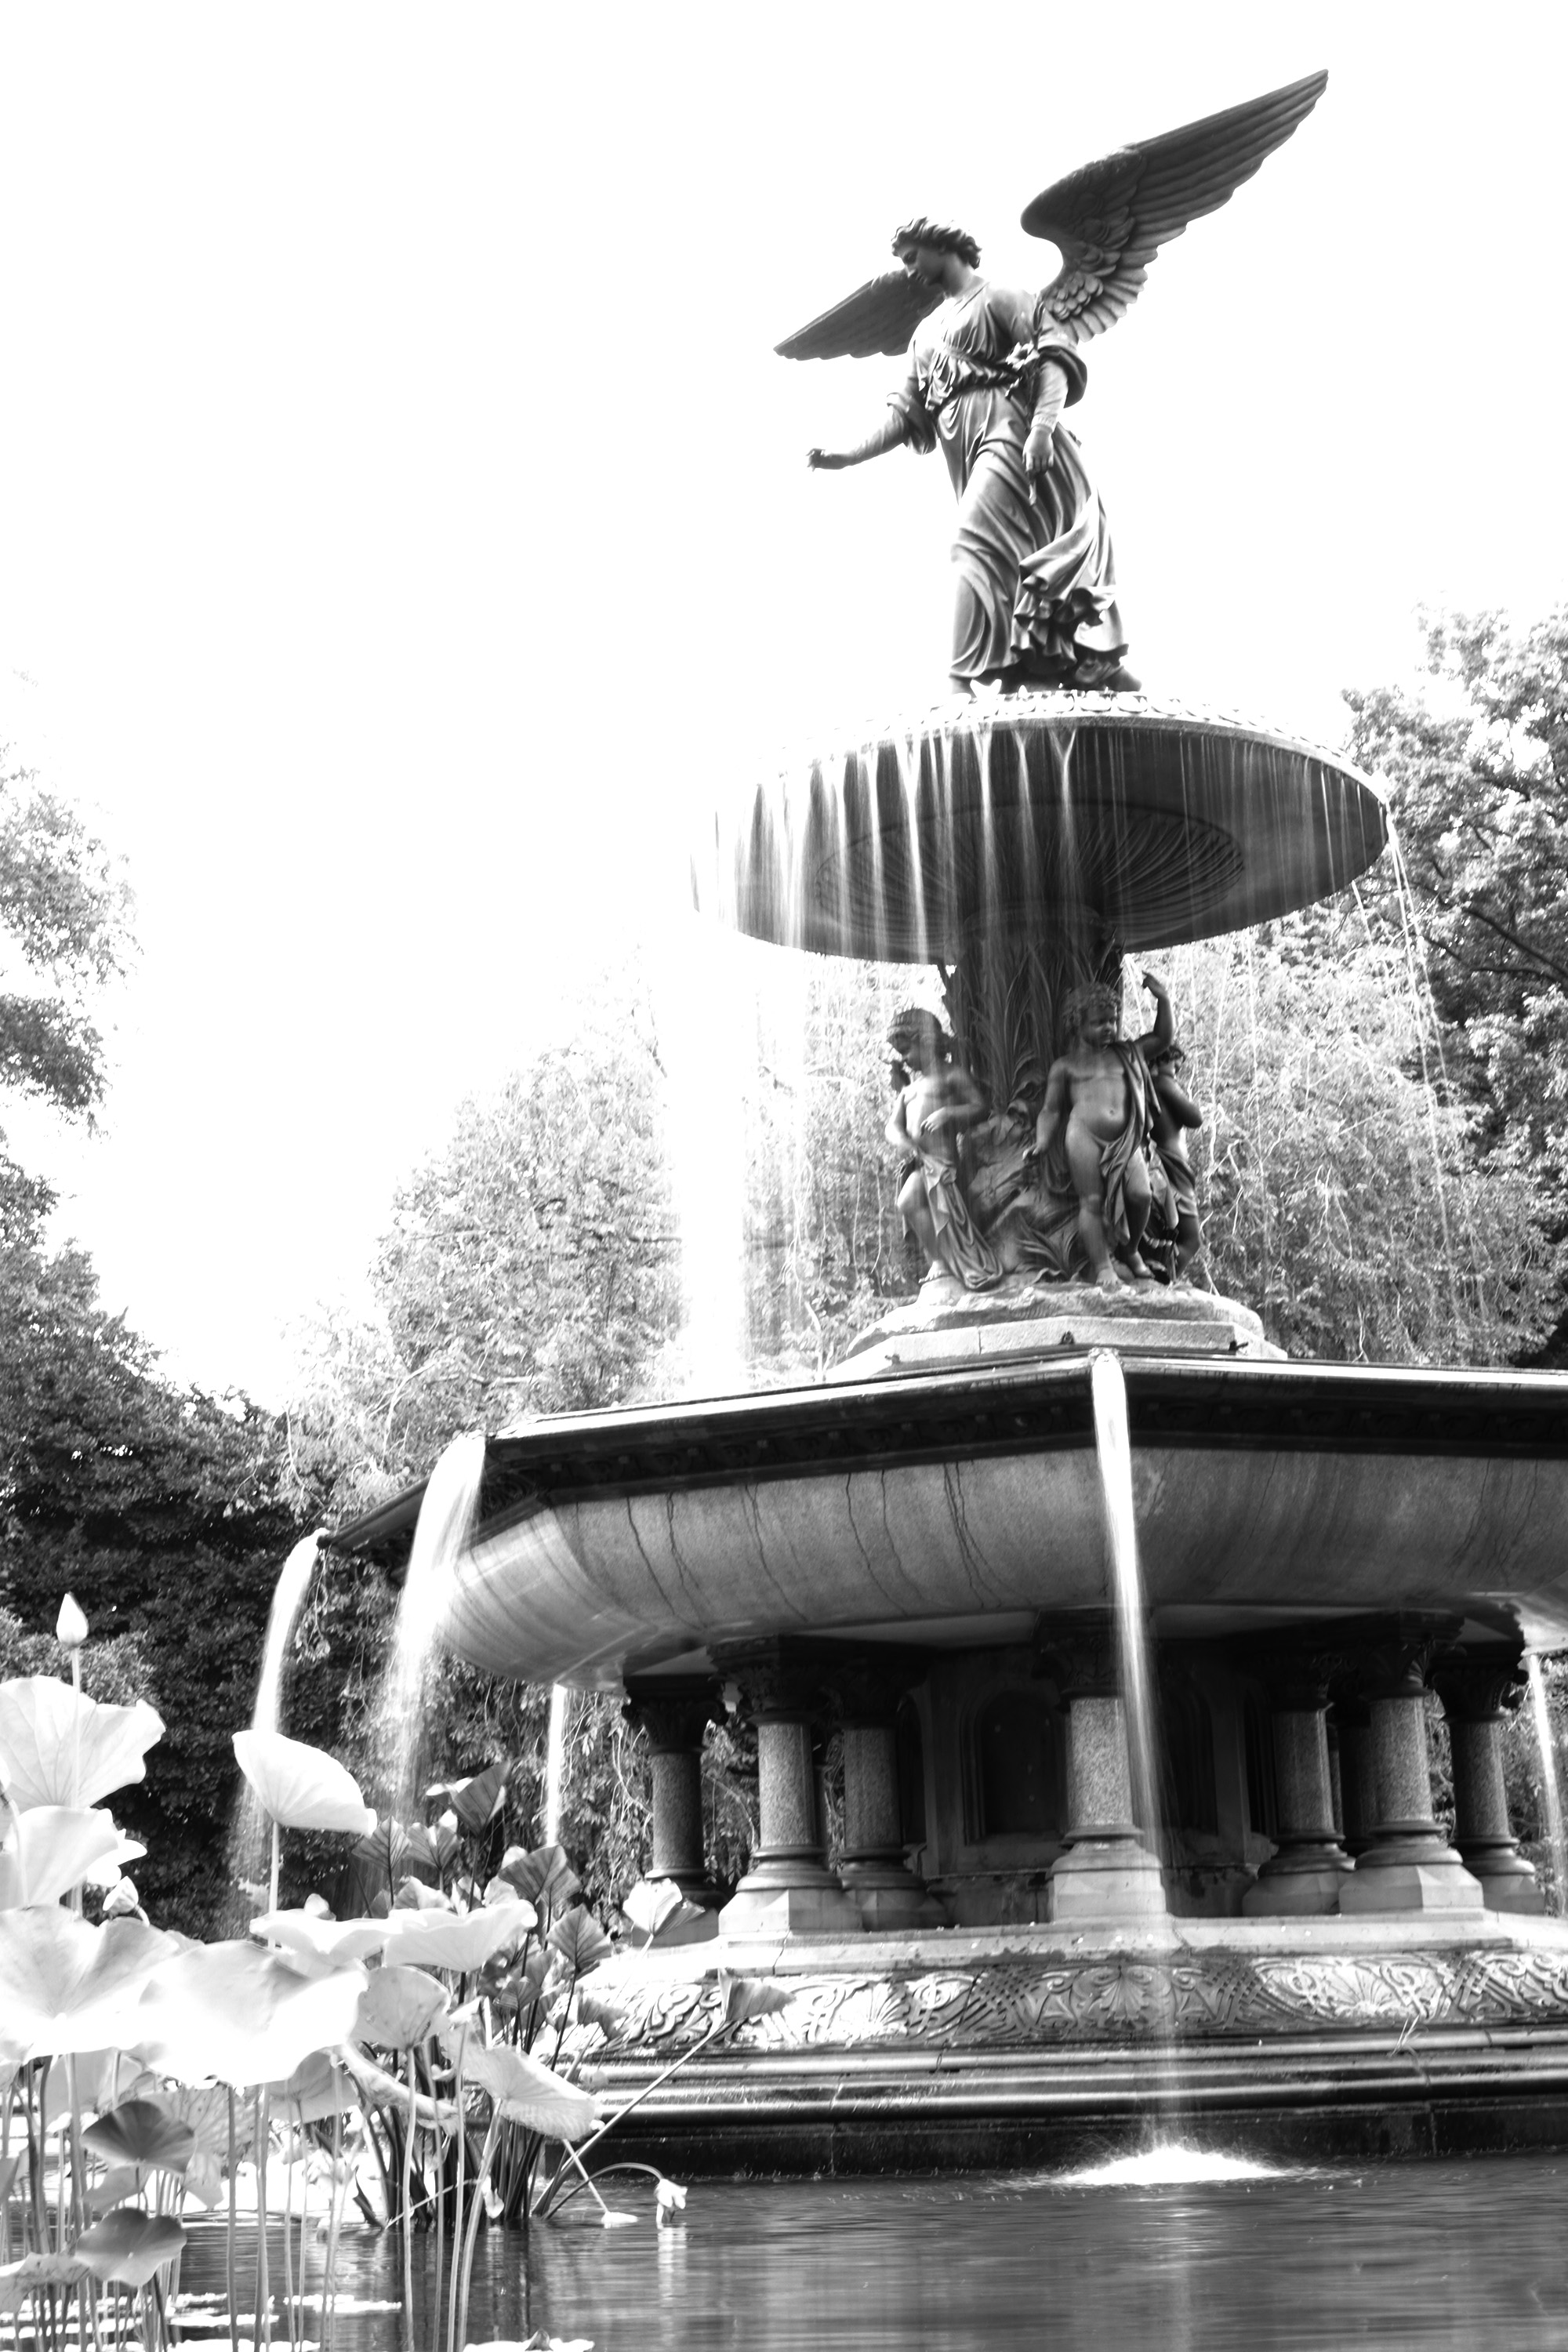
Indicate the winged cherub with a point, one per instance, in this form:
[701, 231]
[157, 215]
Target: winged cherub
[990, 370]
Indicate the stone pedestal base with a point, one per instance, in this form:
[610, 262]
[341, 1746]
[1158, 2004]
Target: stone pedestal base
[789, 1898]
[1302, 1891]
[1105, 1883]
[1508, 1882]
[888, 1897]
[1423, 1877]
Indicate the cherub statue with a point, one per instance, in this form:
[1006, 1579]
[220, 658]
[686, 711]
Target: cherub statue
[1173, 1113]
[938, 1103]
[1099, 1109]
[991, 371]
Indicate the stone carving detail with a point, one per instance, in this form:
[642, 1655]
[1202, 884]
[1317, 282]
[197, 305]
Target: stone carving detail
[1016, 2003]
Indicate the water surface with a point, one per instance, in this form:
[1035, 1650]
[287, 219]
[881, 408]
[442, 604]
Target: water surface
[1460, 2254]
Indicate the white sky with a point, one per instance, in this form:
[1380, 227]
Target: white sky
[402, 517]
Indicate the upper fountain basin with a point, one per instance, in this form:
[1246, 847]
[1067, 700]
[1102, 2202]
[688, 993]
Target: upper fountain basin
[1114, 816]
[952, 1507]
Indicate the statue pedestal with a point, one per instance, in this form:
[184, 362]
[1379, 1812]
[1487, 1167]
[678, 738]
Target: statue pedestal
[946, 1327]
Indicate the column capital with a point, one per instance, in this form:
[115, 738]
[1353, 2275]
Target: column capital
[863, 1687]
[1479, 1685]
[1297, 1671]
[780, 1680]
[674, 1710]
[1080, 1653]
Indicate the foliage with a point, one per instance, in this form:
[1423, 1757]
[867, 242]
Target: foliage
[159, 1507]
[530, 1267]
[1477, 773]
[63, 936]
[1341, 1195]
[827, 1253]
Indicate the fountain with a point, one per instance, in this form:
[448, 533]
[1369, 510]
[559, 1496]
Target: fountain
[1128, 1625]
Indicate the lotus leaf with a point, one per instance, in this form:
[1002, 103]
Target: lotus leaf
[398, 2007]
[453, 1939]
[108, 1872]
[543, 1876]
[204, 2107]
[520, 1988]
[326, 1939]
[58, 1747]
[413, 1894]
[301, 1788]
[66, 1986]
[655, 1905]
[376, 2084]
[317, 2088]
[20, 2280]
[104, 2079]
[478, 1800]
[529, 2093]
[142, 2134]
[743, 1998]
[129, 2245]
[579, 1941]
[607, 2015]
[244, 2014]
[49, 1850]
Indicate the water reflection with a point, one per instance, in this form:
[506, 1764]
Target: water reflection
[1432, 2255]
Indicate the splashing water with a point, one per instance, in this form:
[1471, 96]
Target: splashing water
[247, 1833]
[443, 1532]
[1114, 1447]
[1164, 2168]
[555, 1764]
[1551, 1787]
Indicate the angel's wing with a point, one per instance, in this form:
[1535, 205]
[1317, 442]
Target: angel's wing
[1108, 219]
[880, 315]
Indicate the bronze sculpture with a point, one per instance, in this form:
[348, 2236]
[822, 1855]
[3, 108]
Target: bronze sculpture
[990, 370]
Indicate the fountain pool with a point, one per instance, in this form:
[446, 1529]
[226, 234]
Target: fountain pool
[1433, 2257]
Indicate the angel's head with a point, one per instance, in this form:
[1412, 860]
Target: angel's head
[1092, 1012]
[920, 241]
[919, 1039]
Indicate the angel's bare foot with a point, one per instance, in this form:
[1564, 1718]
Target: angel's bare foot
[1137, 1268]
[1108, 1280]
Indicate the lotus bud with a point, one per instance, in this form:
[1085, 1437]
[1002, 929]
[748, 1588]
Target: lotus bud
[70, 1625]
[668, 2199]
[316, 1906]
[121, 1900]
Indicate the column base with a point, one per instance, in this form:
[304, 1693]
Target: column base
[1298, 1882]
[1409, 1875]
[889, 1897]
[789, 1898]
[1508, 1882]
[1104, 1882]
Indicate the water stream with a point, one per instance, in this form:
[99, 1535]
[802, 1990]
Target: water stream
[1113, 1449]
[446, 1525]
[248, 1835]
[1550, 1784]
[555, 1764]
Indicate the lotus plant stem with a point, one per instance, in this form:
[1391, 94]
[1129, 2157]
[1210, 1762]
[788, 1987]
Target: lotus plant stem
[408, 2203]
[272, 1881]
[587, 2179]
[646, 2093]
[452, 2341]
[304, 2209]
[473, 2232]
[75, 1753]
[233, 2221]
[330, 2283]
[287, 2232]
[261, 2333]
[440, 2170]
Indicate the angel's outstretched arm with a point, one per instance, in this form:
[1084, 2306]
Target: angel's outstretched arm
[1050, 399]
[892, 432]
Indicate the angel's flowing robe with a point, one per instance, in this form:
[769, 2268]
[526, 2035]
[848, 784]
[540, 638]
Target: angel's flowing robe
[1036, 580]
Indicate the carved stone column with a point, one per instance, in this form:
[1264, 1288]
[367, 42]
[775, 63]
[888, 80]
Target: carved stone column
[1309, 1867]
[675, 1712]
[866, 1690]
[1108, 1875]
[1474, 1691]
[1409, 1865]
[789, 1889]
[1358, 1784]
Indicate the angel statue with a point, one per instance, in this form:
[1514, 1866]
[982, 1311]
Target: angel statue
[990, 370]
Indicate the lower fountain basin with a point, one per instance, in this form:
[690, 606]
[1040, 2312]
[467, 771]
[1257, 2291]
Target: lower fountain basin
[951, 1507]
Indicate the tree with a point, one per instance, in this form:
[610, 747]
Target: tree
[1478, 782]
[63, 937]
[531, 1267]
